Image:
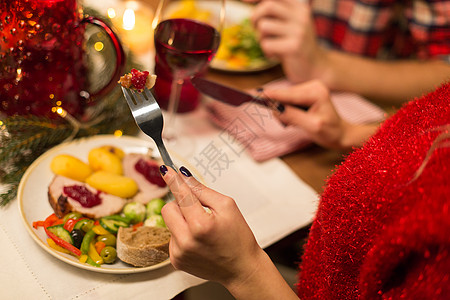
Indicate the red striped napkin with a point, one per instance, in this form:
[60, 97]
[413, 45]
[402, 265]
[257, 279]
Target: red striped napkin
[264, 137]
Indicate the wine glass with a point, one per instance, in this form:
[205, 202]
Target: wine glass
[186, 37]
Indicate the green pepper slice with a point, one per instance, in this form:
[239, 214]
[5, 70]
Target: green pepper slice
[88, 237]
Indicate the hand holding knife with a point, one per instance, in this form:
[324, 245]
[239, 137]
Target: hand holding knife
[233, 96]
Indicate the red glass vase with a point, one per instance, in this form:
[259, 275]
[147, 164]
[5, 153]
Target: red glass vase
[42, 57]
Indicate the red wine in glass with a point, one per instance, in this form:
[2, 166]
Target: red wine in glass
[189, 95]
[184, 46]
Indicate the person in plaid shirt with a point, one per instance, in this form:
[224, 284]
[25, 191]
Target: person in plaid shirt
[385, 50]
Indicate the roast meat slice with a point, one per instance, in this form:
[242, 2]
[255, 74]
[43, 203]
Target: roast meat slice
[63, 204]
[147, 189]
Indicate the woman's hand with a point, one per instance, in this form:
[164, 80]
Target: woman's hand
[286, 32]
[217, 244]
[321, 120]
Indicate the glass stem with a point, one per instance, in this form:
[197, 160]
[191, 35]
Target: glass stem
[172, 108]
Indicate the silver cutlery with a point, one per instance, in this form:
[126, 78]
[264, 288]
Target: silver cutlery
[149, 118]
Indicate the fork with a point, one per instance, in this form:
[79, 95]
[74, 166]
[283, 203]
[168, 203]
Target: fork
[149, 119]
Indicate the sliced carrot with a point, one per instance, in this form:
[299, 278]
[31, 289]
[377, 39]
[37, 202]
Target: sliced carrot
[137, 225]
[99, 246]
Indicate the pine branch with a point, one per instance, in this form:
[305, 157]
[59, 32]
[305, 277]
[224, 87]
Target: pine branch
[30, 138]
[7, 197]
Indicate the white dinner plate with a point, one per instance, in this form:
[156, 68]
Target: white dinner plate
[33, 200]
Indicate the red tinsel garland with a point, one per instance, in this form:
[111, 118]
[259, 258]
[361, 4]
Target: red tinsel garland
[378, 233]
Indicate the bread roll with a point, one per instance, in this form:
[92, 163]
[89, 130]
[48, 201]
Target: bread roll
[143, 247]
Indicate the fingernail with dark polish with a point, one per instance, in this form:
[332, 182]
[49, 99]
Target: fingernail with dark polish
[185, 172]
[280, 108]
[163, 170]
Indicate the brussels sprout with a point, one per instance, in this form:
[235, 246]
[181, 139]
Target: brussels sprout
[155, 221]
[154, 207]
[134, 211]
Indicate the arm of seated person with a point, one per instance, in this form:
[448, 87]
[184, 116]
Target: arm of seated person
[287, 32]
[395, 82]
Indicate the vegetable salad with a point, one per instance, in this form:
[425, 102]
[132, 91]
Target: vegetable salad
[94, 241]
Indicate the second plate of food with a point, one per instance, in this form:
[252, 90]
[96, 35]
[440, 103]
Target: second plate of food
[239, 49]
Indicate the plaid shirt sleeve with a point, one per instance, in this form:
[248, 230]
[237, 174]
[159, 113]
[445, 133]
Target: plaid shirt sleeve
[430, 28]
[385, 28]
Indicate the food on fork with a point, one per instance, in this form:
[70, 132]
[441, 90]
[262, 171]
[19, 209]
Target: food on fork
[138, 80]
[143, 247]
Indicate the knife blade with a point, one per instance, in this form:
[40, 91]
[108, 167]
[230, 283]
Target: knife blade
[230, 95]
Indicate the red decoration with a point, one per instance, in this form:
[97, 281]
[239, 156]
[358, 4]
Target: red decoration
[381, 232]
[43, 62]
[138, 79]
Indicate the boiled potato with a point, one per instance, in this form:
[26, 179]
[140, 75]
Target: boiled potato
[114, 150]
[104, 160]
[70, 166]
[113, 184]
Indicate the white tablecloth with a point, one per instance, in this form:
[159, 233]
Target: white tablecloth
[274, 201]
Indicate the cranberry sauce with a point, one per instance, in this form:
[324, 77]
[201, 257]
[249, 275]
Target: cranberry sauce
[150, 171]
[138, 79]
[84, 196]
